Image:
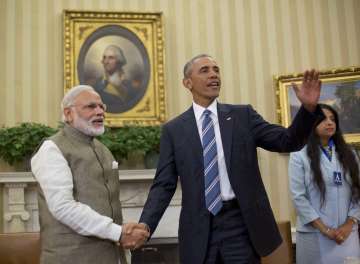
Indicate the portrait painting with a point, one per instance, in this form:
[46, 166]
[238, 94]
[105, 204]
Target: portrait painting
[115, 62]
[340, 89]
[121, 57]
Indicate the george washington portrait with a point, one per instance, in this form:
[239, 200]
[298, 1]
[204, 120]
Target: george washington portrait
[114, 61]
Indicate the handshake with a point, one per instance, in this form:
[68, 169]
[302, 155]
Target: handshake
[134, 235]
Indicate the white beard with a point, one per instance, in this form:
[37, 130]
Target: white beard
[87, 127]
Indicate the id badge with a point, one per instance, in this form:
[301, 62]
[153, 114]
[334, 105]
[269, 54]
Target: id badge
[337, 178]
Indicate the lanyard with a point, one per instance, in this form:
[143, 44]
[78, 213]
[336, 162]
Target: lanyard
[328, 150]
[337, 176]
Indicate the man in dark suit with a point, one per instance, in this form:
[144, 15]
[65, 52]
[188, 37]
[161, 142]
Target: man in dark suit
[226, 215]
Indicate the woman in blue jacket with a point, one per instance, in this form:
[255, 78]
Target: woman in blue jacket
[325, 188]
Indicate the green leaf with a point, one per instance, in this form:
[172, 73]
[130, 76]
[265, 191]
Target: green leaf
[19, 142]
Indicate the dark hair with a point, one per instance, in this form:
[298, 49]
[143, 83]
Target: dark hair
[188, 66]
[345, 154]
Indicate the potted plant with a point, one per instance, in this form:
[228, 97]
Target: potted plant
[115, 142]
[135, 145]
[152, 146]
[19, 142]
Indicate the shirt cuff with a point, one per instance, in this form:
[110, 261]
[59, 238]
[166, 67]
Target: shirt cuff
[115, 232]
[306, 220]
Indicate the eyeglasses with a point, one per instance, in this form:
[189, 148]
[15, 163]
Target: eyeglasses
[91, 106]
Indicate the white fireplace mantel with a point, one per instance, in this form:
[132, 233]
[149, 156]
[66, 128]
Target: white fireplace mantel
[20, 208]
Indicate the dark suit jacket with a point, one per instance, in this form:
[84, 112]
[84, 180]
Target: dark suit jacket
[116, 104]
[242, 131]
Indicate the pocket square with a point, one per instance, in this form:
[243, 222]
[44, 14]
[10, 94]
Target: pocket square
[115, 165]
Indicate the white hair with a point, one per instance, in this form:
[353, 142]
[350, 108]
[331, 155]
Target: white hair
[119, 54]
[70, 96]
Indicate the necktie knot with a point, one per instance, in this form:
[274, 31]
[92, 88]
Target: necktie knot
[207, 113]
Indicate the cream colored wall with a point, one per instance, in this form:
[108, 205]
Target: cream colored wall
[251, 39]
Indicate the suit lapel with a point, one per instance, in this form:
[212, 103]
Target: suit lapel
[226, 128]
[192, 134]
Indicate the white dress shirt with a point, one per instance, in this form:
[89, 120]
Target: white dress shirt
[53, 173]
[227, 192]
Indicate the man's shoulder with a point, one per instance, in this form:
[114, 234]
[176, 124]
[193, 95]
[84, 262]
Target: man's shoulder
[99, 83]
[239, 107]
[189, 113]
[180, 119]
[57, 136]
[45, 146]
[60, 140]
[241, 110]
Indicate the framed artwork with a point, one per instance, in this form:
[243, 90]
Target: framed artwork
[340, 89]
[121, 55]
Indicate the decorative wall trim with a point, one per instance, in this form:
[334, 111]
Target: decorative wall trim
[20, 209]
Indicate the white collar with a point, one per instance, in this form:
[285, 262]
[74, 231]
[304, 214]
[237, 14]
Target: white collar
[199, 110]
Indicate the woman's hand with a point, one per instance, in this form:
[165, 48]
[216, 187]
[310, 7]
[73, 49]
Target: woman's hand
[343, 231]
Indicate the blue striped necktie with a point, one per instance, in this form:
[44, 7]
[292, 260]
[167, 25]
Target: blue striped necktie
[211, 169]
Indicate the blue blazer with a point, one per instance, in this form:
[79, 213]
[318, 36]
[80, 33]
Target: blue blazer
[242, 131]
[306, 196]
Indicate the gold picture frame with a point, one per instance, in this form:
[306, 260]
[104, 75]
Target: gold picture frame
[340, 88]
[121, 55]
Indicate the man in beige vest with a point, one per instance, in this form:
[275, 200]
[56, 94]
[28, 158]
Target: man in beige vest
[80, 211]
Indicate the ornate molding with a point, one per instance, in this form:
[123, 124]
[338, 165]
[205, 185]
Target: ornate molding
[124, 176]
[21, 211]
[23, 215]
